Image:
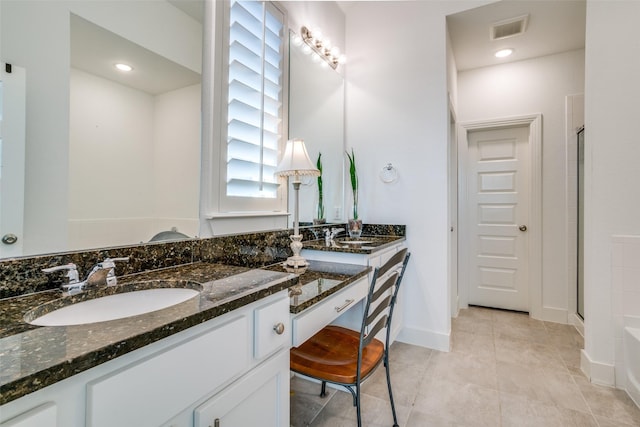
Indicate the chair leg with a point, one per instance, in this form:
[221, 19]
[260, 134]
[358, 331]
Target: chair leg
[357, 397]
[323, 390]
[393, 408]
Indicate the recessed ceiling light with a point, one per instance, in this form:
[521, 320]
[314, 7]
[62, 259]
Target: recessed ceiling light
[124, 67]
[503, 53]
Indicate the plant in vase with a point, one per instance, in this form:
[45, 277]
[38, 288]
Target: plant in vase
[319, 219]
[355, 223]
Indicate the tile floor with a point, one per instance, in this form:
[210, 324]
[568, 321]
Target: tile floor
[504, 369]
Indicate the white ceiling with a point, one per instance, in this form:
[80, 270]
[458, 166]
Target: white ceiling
[95, 50]
[554, 26]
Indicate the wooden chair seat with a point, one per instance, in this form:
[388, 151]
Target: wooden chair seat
[332, 355]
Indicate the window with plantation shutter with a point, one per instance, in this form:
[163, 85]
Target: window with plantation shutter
[255, 100]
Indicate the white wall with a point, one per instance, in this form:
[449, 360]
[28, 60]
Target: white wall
[176, 160]
[396, 106]
[612, 205]
[533, 86]
[133, 162]
[110, 154]
[110, 149]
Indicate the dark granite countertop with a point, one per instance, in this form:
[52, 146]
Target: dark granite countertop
[322, 279]
[364, 245]
[33, 357]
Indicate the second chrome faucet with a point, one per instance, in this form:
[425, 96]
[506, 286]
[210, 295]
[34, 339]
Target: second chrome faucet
[329, 235]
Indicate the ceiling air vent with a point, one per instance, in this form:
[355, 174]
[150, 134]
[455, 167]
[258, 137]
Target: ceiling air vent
[509, 27]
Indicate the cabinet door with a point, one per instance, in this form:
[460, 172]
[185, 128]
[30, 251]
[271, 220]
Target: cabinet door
[153, 390]
[260, 398]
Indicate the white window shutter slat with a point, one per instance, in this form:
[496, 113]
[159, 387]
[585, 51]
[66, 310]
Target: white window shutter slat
[254, 99]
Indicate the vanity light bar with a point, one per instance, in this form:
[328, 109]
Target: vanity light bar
[322, 48]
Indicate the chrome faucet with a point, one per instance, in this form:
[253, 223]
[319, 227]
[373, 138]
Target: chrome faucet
[329, 235]
[73, 284]
[335, 232]
[101, 274]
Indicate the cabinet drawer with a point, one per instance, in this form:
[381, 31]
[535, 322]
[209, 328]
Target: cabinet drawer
[310, 321]
[271, 322]
[157, 388]
[44, 415]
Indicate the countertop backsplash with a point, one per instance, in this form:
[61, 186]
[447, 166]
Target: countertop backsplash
[20, 276]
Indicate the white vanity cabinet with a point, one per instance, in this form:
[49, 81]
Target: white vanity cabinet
[352, 317]
[343, 303]
[232, 366]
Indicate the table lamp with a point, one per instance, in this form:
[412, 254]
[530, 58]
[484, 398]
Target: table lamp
[295, 163]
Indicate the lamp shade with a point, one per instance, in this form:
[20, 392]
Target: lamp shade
[296, 161]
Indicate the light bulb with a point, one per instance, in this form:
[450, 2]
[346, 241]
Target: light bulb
[124, 67]
[503, 53]
[335, 51]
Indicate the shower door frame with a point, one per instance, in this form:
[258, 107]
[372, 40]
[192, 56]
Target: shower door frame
[580, 223]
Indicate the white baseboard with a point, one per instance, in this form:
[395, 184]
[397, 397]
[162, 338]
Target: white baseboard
[555, 315]
[598, 373]
[425, 338]
[577, 322]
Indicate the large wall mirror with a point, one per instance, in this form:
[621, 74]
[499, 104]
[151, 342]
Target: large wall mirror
[110, 158]
[316, 114]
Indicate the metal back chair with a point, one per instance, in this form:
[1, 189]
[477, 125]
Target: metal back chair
[346, 357]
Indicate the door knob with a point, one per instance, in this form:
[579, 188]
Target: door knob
[523, 228]
[279, 328]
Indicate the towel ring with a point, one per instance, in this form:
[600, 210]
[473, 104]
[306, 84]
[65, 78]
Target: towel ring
[389, 174]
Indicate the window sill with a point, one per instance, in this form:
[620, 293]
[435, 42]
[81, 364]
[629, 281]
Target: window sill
[227, 223]
[256, 214]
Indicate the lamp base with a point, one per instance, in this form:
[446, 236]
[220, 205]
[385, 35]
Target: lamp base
[296, 261]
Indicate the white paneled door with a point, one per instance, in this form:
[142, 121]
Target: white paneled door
[498, 197]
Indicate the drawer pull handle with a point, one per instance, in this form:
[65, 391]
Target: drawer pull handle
[346, 304]
[216, 423]
[279, 328]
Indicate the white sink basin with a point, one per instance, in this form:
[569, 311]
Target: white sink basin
[117, 306]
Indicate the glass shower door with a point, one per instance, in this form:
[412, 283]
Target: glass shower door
[580, 272]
